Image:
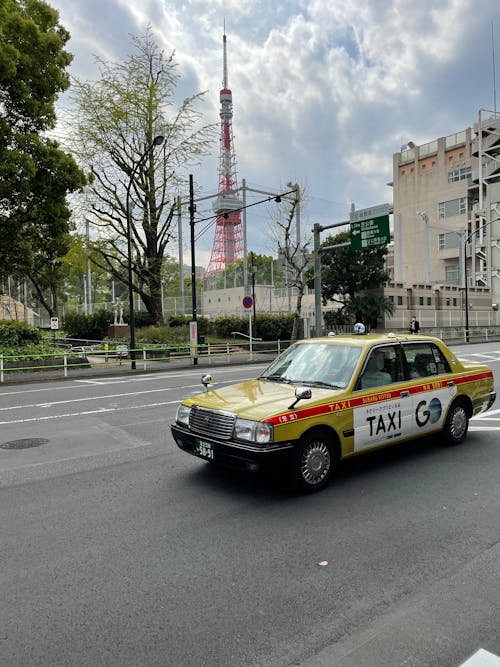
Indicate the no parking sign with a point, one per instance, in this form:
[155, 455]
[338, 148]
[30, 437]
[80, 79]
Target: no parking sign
[247, 302]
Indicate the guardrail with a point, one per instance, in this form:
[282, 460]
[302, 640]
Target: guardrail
[92, 360]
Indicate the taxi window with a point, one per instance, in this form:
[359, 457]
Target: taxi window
[425, 360]
[383, 366]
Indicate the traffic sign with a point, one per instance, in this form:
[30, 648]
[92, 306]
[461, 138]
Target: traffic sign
[371, 212]
[370, 233]
[54, 323]
[247, 302]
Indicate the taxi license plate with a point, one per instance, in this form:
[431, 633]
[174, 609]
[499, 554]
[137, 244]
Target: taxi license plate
[204, 450]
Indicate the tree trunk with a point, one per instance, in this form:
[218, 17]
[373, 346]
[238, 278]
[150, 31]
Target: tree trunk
[297, 320]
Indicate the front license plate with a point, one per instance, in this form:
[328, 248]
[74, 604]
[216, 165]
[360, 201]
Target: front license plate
[205, 450]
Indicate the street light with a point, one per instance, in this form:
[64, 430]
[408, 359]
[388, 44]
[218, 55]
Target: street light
[157, 141]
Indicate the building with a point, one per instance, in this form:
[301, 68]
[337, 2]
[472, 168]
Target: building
[447, 221]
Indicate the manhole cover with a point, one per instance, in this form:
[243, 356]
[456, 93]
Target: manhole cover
[26, 443]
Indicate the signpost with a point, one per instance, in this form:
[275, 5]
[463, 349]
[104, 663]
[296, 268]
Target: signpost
[370, 233]
[247, 303]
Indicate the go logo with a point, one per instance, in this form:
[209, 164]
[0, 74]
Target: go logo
[430, 414]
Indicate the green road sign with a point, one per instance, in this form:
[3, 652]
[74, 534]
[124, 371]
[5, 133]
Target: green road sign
[370, 233]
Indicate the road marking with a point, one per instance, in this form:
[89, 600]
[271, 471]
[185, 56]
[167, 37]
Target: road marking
[484, 428]
[89, 412]
[96, 398]
[482, 658]
[81, 384]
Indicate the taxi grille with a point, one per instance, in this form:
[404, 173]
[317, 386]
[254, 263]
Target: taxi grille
[212, 422]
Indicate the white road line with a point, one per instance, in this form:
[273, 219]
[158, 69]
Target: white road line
[81, 384]
[88, 412]
[52, 404]
[484, 428]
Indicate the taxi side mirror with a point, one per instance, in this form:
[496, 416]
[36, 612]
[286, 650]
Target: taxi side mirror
[206, 380]
[301, 393]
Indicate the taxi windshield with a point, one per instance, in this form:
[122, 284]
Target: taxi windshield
[315, 364]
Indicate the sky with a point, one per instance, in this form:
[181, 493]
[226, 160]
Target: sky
[324, 91]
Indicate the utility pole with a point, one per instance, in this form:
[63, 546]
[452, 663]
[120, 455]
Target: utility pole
[192, 209]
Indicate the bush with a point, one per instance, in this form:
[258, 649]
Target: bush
[163, 335]
[269, 327]
[141, 318]
[204, 324]
[274, 327]
[90, 327]
[18, 334]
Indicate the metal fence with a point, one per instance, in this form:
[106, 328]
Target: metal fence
[87, 359]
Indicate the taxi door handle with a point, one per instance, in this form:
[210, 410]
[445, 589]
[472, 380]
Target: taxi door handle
[404, 394]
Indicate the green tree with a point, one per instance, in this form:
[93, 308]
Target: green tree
[76, 262]
[117, 119]
[346, 274]
[35, 175]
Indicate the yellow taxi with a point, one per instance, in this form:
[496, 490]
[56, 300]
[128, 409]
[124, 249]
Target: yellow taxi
[327, 399]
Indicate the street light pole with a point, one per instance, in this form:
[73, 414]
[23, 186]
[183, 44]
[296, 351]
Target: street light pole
[157, 141]
[192, 210]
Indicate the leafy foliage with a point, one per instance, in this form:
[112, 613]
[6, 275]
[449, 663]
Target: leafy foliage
[35, 175]
[352, 278]
[135, 182]
[269, 327]
[18, 334]
[89, 327]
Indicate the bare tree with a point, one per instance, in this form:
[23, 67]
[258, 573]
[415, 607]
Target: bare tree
[118, 118]
[292, 250]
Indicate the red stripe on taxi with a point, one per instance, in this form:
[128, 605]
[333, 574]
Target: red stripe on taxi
[350, 403]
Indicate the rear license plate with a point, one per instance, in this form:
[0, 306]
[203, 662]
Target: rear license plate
[205, 450]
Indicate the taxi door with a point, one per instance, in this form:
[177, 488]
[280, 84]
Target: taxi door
[383, 406]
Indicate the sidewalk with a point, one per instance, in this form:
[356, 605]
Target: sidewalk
[113, 367]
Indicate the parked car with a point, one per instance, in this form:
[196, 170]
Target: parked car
[327, 399]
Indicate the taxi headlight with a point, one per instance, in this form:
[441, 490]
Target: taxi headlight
[182, 416]
[259, 432]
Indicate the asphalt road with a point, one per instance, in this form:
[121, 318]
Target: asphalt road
[116, 548]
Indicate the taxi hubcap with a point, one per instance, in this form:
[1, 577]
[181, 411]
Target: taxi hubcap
[458, 423]
[315, 462]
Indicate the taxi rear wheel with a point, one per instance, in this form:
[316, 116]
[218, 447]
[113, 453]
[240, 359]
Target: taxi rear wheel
[457, 423]
[314, 462]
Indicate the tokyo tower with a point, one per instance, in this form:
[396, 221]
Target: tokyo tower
[228, 242]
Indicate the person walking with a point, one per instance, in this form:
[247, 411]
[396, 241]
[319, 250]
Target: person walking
[414, 325]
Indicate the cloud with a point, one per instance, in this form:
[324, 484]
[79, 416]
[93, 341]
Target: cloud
[324, 92]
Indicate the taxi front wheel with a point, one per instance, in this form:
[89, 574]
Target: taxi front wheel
[457, 423]
[313, 463]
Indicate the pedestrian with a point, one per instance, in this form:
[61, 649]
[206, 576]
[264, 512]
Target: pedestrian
[414, 325]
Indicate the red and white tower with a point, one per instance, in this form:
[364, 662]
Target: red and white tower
[228, 242]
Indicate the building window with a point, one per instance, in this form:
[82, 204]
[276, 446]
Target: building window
[454, 302]
[452, 273]
[420, 300]
[447, 300]
[433, 163]
[448, 209]
[423, 167]
[429, 301]
[459, 174]
[400, 300]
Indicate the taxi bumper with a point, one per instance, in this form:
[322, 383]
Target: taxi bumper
[236, 455]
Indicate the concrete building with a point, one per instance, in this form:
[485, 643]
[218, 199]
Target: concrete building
[447, 221]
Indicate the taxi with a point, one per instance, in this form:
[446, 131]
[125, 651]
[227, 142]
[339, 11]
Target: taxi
[327, 399]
